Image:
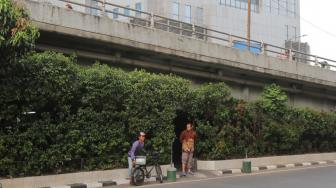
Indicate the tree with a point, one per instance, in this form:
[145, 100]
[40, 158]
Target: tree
[17, 34]
[274, 100]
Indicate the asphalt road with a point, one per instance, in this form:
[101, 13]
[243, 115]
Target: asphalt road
[311, 177]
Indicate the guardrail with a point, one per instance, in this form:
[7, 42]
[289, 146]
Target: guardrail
[150, 20]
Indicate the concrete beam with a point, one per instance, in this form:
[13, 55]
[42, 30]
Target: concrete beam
[123, 44]
[56, 19]
[177, 70]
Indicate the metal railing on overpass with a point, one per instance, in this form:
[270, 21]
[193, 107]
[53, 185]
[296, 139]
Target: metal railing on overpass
[150, 20]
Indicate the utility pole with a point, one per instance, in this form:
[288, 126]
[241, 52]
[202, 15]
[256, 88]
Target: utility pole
[249, 25]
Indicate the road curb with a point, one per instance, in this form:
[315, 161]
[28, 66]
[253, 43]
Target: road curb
[277, 166]
[87, 185]
[99, 184]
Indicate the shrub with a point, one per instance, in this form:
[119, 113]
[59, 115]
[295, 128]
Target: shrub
[17, 34]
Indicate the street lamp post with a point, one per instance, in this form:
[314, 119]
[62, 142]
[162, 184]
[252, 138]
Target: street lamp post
[296, 37]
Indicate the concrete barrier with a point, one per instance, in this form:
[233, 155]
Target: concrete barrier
[90, 179]
[264, 161]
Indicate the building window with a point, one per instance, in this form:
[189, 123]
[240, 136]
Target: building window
[287, 32]
[241, 4]
[276, 7]
[244, 5]
[283, 7]
[268, 6]
[294, 8]
[199, 16]
[237, 4]
[175, 11]
[126, 10]
[115, 13]
[138, 7]
[253, 7]
[187, 13]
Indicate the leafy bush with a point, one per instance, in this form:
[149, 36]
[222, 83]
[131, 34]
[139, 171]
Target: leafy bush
[274, 100]
[87, 117]
[17, 34]
[82, 113]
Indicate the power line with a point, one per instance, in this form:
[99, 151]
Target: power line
[306, 20]
[319, 28]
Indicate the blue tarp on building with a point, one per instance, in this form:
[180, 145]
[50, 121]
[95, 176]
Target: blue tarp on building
[254, 47]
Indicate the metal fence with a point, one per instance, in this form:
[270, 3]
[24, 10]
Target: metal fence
[150, 20]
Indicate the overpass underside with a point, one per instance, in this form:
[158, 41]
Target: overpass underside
[127, 46]
[245, 84]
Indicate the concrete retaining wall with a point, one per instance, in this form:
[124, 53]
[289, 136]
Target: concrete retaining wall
[264, 161]
[64, 179]
[61, 180]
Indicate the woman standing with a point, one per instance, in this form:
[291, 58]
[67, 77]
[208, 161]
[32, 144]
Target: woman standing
[187, 139]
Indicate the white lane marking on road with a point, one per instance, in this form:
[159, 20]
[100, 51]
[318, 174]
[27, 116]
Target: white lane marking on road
[240, 175]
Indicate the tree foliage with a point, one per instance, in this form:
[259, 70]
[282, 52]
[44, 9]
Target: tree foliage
[17, 34]
[273, 100]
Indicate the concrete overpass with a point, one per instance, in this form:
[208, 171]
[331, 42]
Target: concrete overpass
[127, 45]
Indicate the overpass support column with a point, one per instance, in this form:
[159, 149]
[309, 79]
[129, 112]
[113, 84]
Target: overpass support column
[246, 93]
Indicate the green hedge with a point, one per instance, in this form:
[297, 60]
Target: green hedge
[87, 117]
[91, 113]
[229, 128]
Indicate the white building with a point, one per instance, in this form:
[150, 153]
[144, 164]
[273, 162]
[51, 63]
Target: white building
[273, 21]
